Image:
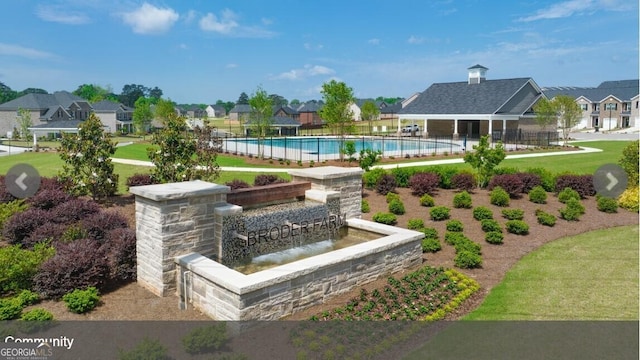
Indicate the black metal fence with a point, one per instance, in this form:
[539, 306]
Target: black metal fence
[526, 138]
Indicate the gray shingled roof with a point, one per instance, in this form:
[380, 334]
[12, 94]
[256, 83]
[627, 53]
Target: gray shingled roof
[107, 105]
[42, 101]
[624, 90]
[284, 121]
[487, 97]
[310, 106]
[241, 108]
[61, 124]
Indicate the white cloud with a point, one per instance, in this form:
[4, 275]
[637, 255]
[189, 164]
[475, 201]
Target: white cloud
[231, 66]
[415, 40]
[310, 46]
[305, 72]
[148, 19]
[64, 16]
[224, 25]
[190, 16]
[16, 50]
[374, 41]
[577, 7]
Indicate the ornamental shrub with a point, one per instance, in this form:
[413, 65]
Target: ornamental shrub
[402, 175]
[386, 184]
[430, 232]
[140, 180]
[9, 309]
[506, 170]
[545, 218]
[35, 320]
[629, 162]
[385, 218]
[547, 178]
[48, 232]
[446, 174]
[529, 181]
[48, 199]
[466, 244]
[98, 224]
[463, 181]
[392, 196]
[396, 207]
[462, 200]
[453, 238]
[431, 245]
[267, 179]
[573, 210]
[205, 339]
[517, 227]
[27, 297]
[439, 213]
[513, 214]
[371, 177]
[467, 260]
[18, 266]
[74, 210]
[8, 209]
[22, 224]
[566, 194]
[120, 248]
[582, 184]
[489, 225]
[511, 183]
[424, 183]
[364, 206]
[607, 204]
[84, 258]
[82, 301]
[415, 224]
[494, 237]
[146, 349]
[538, 195]
[237, 184]
[37, 315]
[629, 199]
[455, 226]
[482, 213]
[427, 200]
[499, 197]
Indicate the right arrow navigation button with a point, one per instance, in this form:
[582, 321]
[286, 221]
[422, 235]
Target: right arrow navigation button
[610, 180]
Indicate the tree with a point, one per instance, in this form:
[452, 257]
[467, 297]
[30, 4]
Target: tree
[6, 94]
[131, 93]
[484, 159]
[260, 117]
[294, 102]
[369, 112]
[278, 100]
[155, 93]
[368, 158]
[92, 92]
[164, 109]
[24, 122]
[87, 160]
[629, 162]
[178, 156]
[227, 105]
[32, 91]
[337, 97]
[545, 113]
[243, 99]
[142, 115]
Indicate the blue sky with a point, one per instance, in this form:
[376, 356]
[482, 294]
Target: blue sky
[203, 50]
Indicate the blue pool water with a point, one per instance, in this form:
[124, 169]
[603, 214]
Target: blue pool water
[331, 146]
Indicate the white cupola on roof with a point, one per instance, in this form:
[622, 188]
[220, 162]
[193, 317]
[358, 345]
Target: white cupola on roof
[477, 74]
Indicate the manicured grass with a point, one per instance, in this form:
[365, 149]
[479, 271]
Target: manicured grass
[592, 276]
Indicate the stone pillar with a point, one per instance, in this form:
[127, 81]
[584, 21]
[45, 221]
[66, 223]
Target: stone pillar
[172, 220]
[346, 181]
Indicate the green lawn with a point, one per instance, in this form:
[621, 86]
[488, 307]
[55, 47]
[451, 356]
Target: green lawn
[591, 276]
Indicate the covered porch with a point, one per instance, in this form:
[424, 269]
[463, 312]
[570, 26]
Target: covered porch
[457, 126]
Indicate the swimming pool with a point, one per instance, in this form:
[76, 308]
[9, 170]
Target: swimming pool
[307, 148]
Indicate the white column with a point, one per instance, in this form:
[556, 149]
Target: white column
[35, 139]
[425, 131]
[504, 126]
[399, 129]
[455, 129]
[490, 127]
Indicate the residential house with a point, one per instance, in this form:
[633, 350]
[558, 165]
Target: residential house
[280, 125]
[240, 112]
[309, 116]
[115, 116]
[356, 107]
[215, 111]
[474, 107]
[610, 105]
[286, 111]
[50, 113]
[193, 112]
[390, 111]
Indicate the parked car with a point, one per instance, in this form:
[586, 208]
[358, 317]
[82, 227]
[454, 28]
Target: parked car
[411, 128]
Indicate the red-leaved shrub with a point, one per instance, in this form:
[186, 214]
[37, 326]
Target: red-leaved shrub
[46, 199]
[22, 224]
[424, 183]
[98, 224]
[50, 231]
[463, 181]
[267, 179]
[76, 265]
[237, 184]
[140, 180]
[386, 184]
[529, 181]
[74, 210]
[583, 184]
[511, 183]
[120, 247]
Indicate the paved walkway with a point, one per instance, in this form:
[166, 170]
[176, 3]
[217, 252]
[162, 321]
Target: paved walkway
[6, 150]
[385, 166]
